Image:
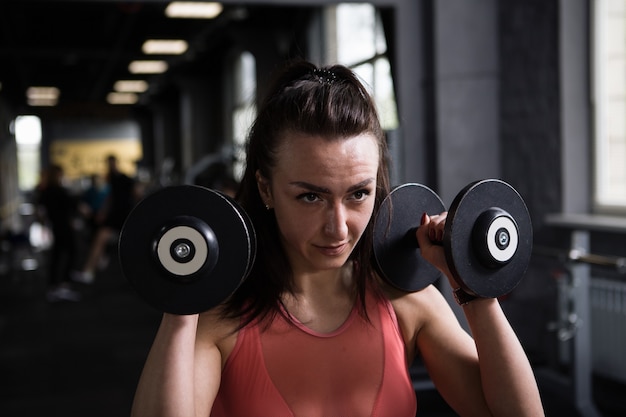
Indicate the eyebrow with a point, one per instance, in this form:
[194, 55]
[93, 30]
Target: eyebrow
[323, 190]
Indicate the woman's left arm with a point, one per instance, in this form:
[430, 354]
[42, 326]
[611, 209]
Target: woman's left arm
[505, 376]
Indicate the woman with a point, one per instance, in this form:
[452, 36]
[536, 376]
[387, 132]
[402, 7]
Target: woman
[313, 331]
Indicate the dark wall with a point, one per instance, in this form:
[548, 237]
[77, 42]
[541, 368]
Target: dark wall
[529, 117]
[529, 102]
[9, 192]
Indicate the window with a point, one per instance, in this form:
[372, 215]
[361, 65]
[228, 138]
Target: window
[244, 110]
[354, 38]
[609, 95]
[360, 44]
[28, 139]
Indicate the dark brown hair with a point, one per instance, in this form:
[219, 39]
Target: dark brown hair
[329, 102]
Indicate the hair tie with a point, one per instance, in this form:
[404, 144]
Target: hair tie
[324, 75]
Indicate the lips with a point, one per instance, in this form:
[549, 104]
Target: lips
[333, 250]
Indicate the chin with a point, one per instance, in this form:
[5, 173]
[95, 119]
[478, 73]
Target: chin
[334, 262]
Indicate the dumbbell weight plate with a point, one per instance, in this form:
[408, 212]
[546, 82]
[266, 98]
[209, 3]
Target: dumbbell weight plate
[488, 258]
[251, 234]
[398, 257]
[219, 237]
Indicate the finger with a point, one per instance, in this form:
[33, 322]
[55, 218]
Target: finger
[431, 249]
[436, 227]
[430, 231]
[423, 232]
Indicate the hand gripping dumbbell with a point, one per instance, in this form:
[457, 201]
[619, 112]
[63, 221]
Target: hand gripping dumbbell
[186, 249]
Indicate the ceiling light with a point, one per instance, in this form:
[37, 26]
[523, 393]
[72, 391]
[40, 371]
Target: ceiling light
[42, 96]
[193, 9]
[164, 46]
[42, 92]
[147, 67]
[122, 98]
[130, 86]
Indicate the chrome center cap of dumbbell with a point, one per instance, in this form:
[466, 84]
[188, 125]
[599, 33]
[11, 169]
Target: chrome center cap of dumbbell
[185, 246]
[182, 250]
[495, 237]
[502, 238]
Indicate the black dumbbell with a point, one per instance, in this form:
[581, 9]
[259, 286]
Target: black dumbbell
[186, 249]
[487, 238]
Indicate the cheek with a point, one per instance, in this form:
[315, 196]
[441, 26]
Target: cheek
[362, 219]
[294, 227]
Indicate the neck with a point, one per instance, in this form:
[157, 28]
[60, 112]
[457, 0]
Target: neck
[322, 301]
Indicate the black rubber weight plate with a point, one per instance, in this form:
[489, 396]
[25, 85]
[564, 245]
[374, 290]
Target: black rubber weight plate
[397, 254]
[165, 290]
[473, 275]
[251, 234]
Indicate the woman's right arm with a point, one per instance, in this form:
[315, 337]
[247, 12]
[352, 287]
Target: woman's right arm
[181, 375]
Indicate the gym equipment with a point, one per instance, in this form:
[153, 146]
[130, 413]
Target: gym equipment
[187, 248]
[494, 216]
[398, 258]
[487, 238]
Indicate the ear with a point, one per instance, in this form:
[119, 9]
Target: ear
[265, 190]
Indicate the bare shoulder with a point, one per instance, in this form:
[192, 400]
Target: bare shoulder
[416, 305]
[415, 310]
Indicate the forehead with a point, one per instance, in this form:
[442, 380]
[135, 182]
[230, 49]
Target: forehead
[318, 155]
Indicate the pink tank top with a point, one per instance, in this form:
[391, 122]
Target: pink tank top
[290, 370]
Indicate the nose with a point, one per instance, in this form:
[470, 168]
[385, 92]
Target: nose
[336, 223]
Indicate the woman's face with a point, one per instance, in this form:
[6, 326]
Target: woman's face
[322, 192]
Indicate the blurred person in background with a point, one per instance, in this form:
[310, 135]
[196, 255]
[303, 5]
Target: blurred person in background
[122, 196]
[57, 208]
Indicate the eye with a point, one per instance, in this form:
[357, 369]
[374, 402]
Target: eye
[308, 197]
[361, 195]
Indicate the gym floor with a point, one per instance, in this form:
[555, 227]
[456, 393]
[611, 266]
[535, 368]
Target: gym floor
[83, 358]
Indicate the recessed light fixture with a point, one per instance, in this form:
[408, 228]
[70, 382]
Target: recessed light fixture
[42, 92]
[122, 98]
[42, 96]
[147, 67]
[164, 47]
[193, 9]
[130, 86]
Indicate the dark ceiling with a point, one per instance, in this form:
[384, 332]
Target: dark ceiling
[83, 47]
